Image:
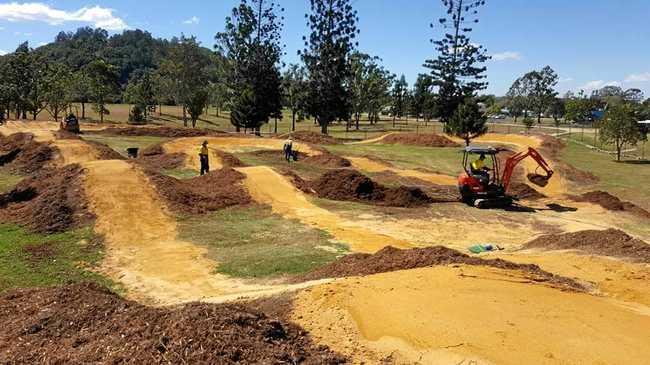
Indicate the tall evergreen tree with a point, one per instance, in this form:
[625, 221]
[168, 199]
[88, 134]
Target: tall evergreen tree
[326, 55]
[468, 122]
[251, 44]
[457, 71]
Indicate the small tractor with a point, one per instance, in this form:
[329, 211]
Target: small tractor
[70, 124]
[488, 188]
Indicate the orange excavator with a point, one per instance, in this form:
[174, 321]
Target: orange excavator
[486, 187]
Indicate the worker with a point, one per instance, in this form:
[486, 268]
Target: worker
[288, 149]
[204, 158]
[480, 171]
[2, 117]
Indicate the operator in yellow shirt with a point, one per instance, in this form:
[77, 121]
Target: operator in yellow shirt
[204, 157]
[480, 171]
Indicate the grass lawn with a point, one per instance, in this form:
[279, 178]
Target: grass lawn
[443, 160]
[252, 242]
[628, 180]
[121, 143]
[8, 180]
[35, 260]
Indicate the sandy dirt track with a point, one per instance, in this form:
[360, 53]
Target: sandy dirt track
[190, 146]
[444, 315]
[268, 187]
[368, 165]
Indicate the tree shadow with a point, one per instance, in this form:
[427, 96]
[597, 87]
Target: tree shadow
[636, 162]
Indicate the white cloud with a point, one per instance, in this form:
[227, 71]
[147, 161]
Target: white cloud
[642, 77]
[597, 84]
[506, 56]
[2, 52]
[192, 20]
[96, 15]
[565, 79]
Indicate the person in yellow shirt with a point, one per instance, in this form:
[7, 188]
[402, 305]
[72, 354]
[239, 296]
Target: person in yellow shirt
[480, 171]
[204, 157]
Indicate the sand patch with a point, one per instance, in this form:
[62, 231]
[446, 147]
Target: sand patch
[446, 315]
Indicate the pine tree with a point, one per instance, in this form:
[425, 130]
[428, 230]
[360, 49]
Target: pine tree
[251, 44]
[326, 56]
[457, 71]
[468, 122]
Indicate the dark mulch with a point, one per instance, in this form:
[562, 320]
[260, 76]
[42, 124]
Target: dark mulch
[312, 137]
[169, 132]
[415, 139]
[216, 190]
[85, 323]
[52, 200]
[155, 158]
[610, 202]
[350, 185]
[297, 181]
[327, 159]
[523, 191]
[22, 154]
[392, 259]
[610, 242]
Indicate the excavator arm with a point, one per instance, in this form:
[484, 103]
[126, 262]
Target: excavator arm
[514, 160]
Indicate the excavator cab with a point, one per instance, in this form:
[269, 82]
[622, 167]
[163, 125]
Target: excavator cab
[490, 191]
[479, 187]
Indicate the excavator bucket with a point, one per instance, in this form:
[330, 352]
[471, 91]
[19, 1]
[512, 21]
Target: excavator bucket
[539, 180]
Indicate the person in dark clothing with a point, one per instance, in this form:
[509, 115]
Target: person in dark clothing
[204, 157]
[288, 149]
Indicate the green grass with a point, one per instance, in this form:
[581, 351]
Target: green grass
[8, 180]
[252, 242]
[304, 170]
[443, 160]
[121, 143]
[626, 180]
[63, 258]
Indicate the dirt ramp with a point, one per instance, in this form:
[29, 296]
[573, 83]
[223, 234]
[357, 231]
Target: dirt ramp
[169, 132]
[350, 185]
[85, 323]
[312, 137]
[216, 190]
[21, 153]
[50, 201]
[392, 259]
[416, 139]
[524, 191]
[610, 242]
[610, 202]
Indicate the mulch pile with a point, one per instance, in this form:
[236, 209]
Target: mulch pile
[155, 158]
[610, 202]
[169, 132]
[350, 185]
[415, 139]
[297, 181]
[228, 159]
[85, 323]
[523, 191]
[312, 137]
[437, 193]
[52, 200]
[392, 259]
[610, 242]
[216, 190]
[22, 154]
[327, 159]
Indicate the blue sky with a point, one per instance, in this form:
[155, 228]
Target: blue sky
[590, 43]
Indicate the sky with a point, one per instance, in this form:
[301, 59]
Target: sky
[589, 43]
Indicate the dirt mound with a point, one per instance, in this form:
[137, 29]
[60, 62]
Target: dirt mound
[22, 154]
[610, 202]
[155, 158]
[327, 159]
[350, 185]
[85, 323]
[297, 181]
[103, 151]
[437, 193]
[159, 132]
[523, 191]
[393, 259]
[416, 139]
[216, 190]
[229, 160]
[50, 201]
[610, 242]
[312, 137]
